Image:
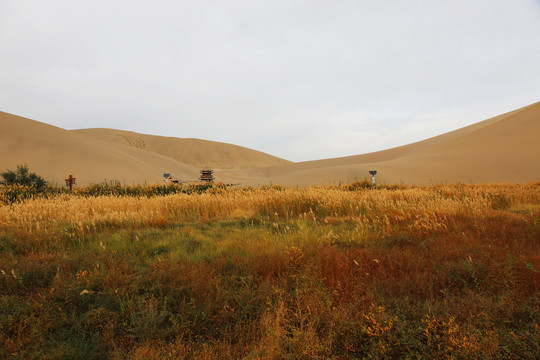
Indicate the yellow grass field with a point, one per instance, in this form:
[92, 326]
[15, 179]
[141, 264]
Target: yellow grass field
[272, 272]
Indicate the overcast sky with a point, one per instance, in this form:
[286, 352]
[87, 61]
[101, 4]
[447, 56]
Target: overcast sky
[300, 79]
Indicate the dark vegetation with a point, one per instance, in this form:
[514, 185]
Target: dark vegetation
[23, 177]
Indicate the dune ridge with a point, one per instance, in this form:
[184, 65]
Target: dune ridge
[54, 153]
[505, 148]
[194, 152]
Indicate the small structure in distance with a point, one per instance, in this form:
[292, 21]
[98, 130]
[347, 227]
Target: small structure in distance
[171, 179]
[207, 175]
[373, 173]
[70, 181]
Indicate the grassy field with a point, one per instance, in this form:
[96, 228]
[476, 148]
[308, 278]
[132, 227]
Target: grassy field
[271, 273]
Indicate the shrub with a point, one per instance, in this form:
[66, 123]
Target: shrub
[22, 176]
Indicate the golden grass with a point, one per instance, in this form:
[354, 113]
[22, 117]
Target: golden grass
[417, 209]
[448, 271]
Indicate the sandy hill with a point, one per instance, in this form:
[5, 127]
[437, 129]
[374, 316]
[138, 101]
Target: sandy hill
[195, 152]
[54, 153]
[505, 148]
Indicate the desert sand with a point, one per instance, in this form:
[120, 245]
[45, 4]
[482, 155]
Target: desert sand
[55, 153]
[195, 152]
[505, 148]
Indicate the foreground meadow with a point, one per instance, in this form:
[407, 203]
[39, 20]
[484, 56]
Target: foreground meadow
[272, 273]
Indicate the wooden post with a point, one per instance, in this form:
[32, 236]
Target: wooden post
[70, 181]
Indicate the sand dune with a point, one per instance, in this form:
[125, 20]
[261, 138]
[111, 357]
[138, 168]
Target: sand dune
[195, 152]
[505, 148]
[54, 153]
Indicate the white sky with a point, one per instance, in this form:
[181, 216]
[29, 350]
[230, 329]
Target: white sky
[300, 79]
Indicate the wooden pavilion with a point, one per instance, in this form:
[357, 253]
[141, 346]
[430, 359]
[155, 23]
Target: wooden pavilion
[207, 175]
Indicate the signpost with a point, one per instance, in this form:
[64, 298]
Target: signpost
[70, 181]
[373, 173]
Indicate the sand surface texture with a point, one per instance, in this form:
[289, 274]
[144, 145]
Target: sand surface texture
[195, 152]
[505, 148]
[55, 153]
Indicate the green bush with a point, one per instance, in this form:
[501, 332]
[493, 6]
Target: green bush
[23, 176]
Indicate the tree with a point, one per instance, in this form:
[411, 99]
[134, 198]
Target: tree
[22, 176]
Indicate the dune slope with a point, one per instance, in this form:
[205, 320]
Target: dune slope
[505, 148]
[195, 152]
[54, 153]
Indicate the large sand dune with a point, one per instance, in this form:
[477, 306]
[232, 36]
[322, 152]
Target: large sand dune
[54, 153]
[505, 148]
[195, 152]
[502, 149]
